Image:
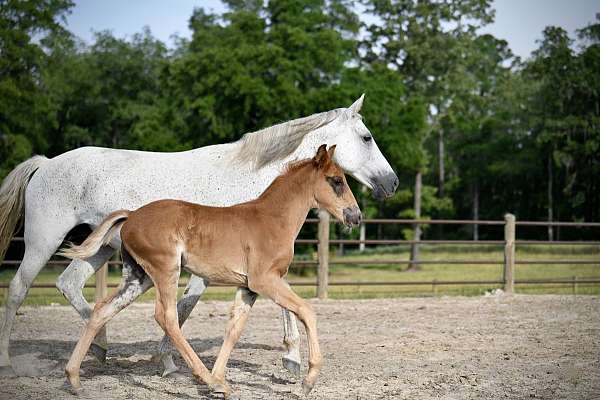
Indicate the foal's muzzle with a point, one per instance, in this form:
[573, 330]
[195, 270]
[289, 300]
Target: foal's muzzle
[352, 216]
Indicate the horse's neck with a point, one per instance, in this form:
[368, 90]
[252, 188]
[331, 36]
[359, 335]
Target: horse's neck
[288, 200]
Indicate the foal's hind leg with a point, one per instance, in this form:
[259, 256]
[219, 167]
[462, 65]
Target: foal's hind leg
[135, 282]
[71, 283]
[166, 316]
[196, 286]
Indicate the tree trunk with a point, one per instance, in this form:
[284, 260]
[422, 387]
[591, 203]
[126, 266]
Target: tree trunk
[441, 170]
[550, 198]
[476, 210]
[414, 248]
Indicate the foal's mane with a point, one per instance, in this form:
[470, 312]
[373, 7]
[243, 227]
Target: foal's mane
[276, 142]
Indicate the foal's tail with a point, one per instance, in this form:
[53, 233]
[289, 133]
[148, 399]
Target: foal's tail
[12, 199]
[101, 236]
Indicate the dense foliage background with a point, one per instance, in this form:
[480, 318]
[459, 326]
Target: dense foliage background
[486, 132]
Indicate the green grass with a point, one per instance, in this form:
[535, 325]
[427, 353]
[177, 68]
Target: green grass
[387, 273]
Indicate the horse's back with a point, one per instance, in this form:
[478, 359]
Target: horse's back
[90, 182]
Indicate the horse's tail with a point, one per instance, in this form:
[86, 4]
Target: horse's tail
[101, 236]
[12, 199]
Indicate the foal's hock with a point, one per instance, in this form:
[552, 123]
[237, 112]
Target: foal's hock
[249, 245]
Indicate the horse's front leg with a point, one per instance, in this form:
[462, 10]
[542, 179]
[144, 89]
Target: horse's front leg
[291, 340]
[195, 287]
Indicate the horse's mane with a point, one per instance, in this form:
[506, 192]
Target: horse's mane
[278, 141]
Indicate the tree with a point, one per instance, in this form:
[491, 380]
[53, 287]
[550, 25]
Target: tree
[24, 102]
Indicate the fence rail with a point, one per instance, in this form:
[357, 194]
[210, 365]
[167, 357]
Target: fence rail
[323, 261]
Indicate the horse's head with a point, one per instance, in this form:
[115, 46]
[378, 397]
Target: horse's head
[358, 153]
[331, 191]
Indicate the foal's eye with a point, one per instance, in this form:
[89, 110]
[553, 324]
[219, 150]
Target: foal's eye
[337, 184]
[367, 138]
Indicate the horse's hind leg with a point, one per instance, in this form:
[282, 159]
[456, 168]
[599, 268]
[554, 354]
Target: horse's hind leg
[71, 283]
[38, 251]
[135, 283]
[291, 340]
[195, 287]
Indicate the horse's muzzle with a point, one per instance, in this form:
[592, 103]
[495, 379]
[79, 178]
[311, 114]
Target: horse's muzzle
[384, 185]
[352, 216]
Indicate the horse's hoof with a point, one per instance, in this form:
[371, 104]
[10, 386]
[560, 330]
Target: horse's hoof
[7, 370]
[291, 365]
[173, 374]
[307, 387]
[98, 352]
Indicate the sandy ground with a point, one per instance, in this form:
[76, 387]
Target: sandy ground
[515, 347]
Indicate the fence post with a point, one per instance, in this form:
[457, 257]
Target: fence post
[323, 250]
[101, 282]
[509, 253]
[363, 226]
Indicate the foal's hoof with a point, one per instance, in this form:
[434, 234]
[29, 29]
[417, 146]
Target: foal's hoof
[98, 352]
[307, 387]
[292, 366]
[221, 387]
[7, 370]
[77, 391]
[232, 396]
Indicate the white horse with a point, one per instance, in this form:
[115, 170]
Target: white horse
[84, 185]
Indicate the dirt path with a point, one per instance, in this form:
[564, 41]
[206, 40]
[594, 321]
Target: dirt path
[420, 348]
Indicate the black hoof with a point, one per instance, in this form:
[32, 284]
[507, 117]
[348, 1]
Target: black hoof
[7, 370]
[292, 366]
[98, 352]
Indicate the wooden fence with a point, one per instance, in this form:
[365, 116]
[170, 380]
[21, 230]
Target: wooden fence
[323, 262]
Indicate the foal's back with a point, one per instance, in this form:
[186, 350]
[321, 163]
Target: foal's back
[212, 242]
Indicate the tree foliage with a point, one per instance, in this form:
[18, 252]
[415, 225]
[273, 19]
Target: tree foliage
[489, 132]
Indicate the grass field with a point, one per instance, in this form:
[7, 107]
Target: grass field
[396, 272]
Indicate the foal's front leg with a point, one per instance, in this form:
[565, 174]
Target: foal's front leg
[280, 292]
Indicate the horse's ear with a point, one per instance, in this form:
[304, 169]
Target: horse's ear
[331, 151]
[357, 105]
[322, 156]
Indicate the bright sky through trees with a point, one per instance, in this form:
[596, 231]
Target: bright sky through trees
[520, 22]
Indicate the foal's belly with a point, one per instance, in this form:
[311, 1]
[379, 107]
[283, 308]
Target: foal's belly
[220, 275]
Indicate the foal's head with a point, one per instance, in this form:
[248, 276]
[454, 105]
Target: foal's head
[331, 189]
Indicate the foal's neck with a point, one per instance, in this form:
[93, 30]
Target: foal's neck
[289, 198]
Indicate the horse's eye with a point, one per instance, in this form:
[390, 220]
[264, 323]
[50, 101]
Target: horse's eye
[367, 138]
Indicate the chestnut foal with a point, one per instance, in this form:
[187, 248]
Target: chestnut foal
[249, 245]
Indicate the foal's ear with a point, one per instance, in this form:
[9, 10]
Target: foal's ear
[331, 151]
[322, 156]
